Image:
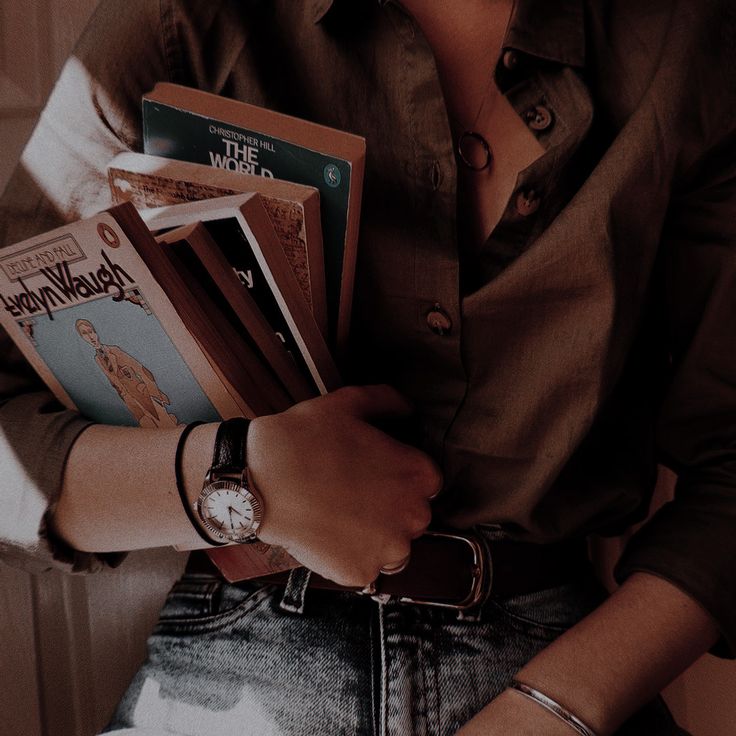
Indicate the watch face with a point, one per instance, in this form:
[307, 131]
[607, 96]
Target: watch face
[229, 511]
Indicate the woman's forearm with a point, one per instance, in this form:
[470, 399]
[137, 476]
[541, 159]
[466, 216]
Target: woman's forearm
[119, 488]
[625, 652]
[340, 495]
[612, 662]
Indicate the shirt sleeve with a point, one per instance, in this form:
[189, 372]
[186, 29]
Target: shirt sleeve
[691, 541]
[92, 115]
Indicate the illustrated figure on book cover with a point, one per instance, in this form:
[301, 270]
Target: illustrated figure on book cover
[135, 384]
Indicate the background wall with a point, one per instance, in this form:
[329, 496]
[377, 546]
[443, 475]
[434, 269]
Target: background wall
[69, 645]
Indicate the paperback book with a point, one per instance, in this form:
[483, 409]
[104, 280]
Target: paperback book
[243, 233]
[191, 125]
[208, 278]
[294, 209]
[90, 317]
[112, 321]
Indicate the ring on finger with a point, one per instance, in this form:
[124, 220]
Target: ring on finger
[395, 567]
[437, 492]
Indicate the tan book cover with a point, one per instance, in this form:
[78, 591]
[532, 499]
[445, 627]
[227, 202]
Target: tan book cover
[294, 209]
[191, 125]
[90, 317]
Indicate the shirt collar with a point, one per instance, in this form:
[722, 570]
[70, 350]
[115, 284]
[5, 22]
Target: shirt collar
[549, 29]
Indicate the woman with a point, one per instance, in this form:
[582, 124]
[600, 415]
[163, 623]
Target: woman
[546, 207]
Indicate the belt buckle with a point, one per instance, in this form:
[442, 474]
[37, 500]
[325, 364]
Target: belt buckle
[481, 571]
[481, 575]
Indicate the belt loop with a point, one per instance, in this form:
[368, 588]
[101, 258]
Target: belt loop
[292, 599]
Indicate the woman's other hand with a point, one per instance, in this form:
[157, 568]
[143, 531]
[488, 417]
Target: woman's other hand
[340, 495]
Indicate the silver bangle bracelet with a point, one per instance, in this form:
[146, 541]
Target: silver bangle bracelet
[553, 707]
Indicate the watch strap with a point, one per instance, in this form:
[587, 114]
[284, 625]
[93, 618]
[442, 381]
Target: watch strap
[230, 446]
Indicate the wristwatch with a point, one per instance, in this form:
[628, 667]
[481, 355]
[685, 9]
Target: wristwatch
[228, 509]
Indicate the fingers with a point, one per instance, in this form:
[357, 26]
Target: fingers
[327, 460]
[371, 402]
[435, 480]
[423, 474]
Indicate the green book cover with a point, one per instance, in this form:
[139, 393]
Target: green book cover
[181, 131]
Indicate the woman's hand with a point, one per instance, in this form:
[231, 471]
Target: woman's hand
[341, 496]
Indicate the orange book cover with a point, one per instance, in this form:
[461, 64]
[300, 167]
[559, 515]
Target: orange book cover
[88, 314]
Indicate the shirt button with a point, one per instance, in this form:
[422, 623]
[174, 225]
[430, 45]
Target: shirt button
[527, 202]
[510, 59]
[439, 321]
[538, 117]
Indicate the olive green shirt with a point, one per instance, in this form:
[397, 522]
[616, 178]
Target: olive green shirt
[590, 337]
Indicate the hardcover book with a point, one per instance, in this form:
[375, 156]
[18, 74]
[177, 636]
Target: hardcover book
[294, 209]
[190, 125]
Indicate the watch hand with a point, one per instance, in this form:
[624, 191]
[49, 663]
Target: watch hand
[236, 511]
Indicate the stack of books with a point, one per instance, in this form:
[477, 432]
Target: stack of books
[218, 285]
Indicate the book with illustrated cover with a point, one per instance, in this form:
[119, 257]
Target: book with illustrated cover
[191, 125]
[243, 232]
[90, 317]
[153, 181]
[87, 307]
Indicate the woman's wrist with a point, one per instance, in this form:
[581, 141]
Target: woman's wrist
[542, 700]
[511, 713]
[196, 458]
[583, 701]
[119, 489]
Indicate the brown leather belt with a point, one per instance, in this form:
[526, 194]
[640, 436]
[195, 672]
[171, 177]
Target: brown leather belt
[458, 570]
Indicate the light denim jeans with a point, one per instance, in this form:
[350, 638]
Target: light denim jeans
[256, 660]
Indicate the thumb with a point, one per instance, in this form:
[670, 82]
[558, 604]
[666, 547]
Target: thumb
[371, 402]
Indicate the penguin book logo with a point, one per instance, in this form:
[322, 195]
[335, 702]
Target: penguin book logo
[332, 176]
